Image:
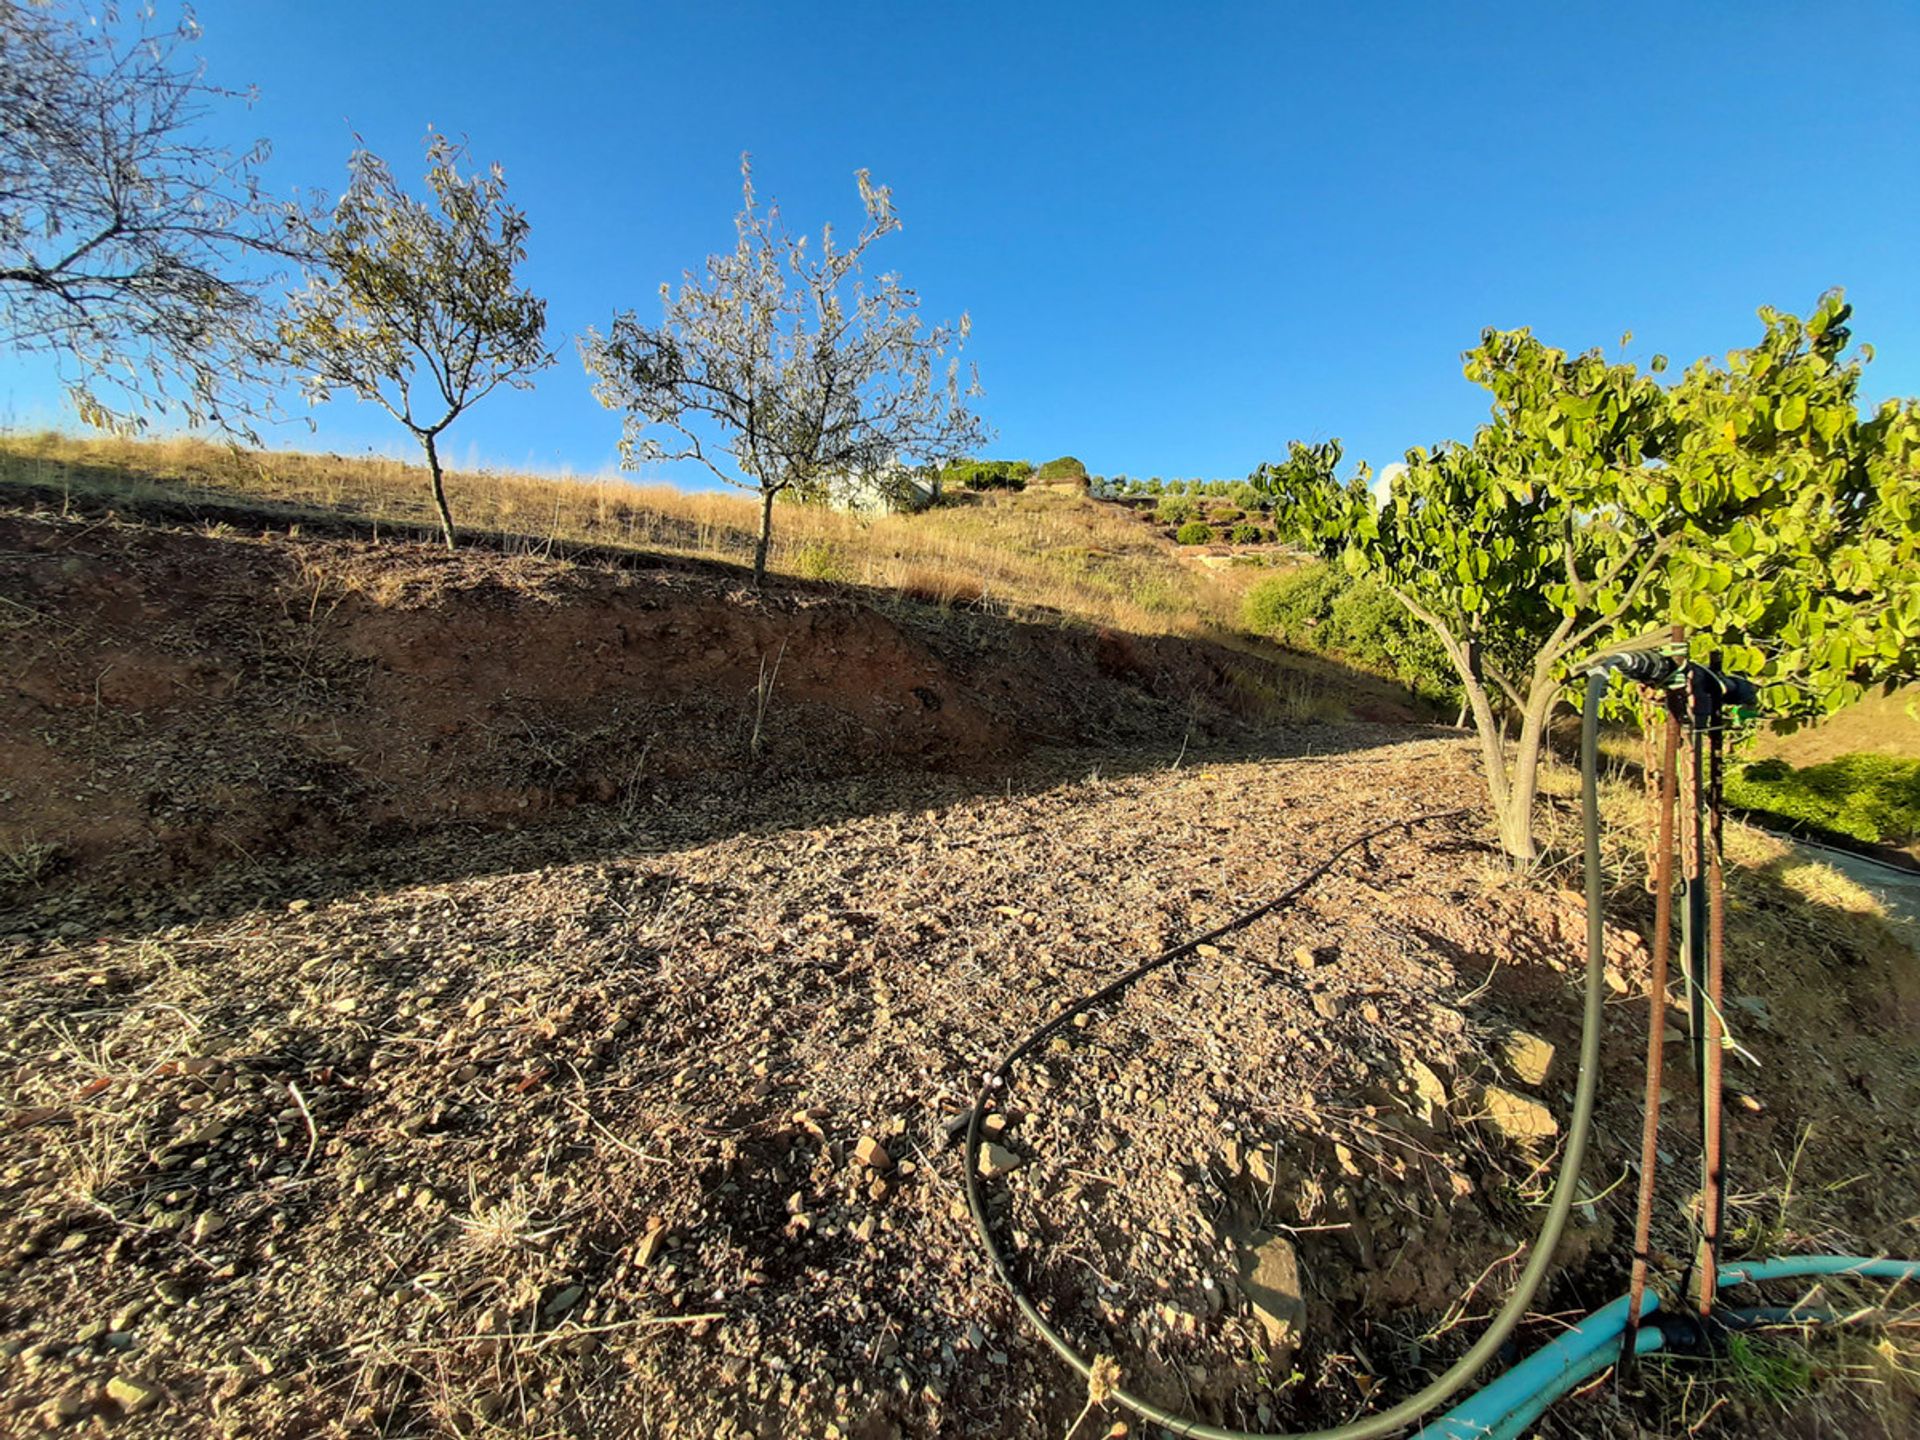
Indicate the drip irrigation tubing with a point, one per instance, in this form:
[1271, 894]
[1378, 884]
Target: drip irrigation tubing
[1523, 1392]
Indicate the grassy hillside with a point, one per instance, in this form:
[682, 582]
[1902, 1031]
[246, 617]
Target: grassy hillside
[1019, 554]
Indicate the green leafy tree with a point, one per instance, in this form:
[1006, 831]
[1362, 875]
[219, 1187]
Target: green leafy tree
[790, 366]
[1750, 502]
[400, 287]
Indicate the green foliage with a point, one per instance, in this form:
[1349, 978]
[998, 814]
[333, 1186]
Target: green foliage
[401, 286]
[1320, 607]
[1064, 468]
[1194, 532]
[1874, 798]
[1247, 535]
[1749, 502]
[988, 474]
[1175, 510]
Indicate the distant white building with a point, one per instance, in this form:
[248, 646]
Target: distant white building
[896, 490]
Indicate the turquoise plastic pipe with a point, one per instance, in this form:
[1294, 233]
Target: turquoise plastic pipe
[1504, 1409]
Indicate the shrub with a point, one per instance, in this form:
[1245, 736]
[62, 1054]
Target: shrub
[1874, 798]
[821, 560]
[1195, 532]
[1176, 510]
[1319, 607]
[1247, 535]
[988, 474]
[1064, 468]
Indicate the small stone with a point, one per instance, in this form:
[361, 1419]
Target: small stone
[1304, 957]
[872, 1154]
[90, 1332]
[210, 1224]
[1270, 1279]
[131, 1395]
[1527, 1056]
[299, 907]
[649, 1247]
[564, 1301]
[1427, 1085]
[1327, 1006]
[1230, 1156]
[997, 1160]
[70, 1403]
[1616, 982]
[863, 1232]
[1260, 1166]
[1518, 1117]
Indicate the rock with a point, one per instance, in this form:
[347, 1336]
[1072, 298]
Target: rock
[997, 1160]
[1304, 957]
[1516, 1116]
[69, 1404]
[1327, 1006]
[1260, 1166]
[1427, 1085]
[1527, 1056]
[1230, 1156]
[648, 1249]
[872, 1154]
[1270, 1279]
[132, 1395]
[863, 1232]
[1616, 981]
[210, 1224]
[564, 1301]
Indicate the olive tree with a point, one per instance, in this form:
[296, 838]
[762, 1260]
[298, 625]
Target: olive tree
[134, 251]
[415, 306]
[783, 370]
[1750, 502]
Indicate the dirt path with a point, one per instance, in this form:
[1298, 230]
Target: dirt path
[653, 1140]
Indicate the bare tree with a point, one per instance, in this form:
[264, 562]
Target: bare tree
[790, 365]
[134, 251]
[400, 285]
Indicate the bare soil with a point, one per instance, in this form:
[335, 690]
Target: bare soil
[634, 1115]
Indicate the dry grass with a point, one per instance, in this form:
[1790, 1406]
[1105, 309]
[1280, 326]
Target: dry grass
[1027, 554]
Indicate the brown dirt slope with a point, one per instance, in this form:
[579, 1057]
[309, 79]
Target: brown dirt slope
[174, 699]
[575, 1148]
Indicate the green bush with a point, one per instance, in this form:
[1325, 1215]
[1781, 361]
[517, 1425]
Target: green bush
[1064, 468]
[1176, 510]
[988, 474]
[1873, 798]
[1319, 607]
[1194, 532]
[1247, 535]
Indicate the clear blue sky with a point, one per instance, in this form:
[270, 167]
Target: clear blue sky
[1185, 233]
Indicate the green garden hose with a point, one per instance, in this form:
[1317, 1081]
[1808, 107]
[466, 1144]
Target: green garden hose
[1415, 1406]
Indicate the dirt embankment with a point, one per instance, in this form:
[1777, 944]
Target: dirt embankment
[173, 699]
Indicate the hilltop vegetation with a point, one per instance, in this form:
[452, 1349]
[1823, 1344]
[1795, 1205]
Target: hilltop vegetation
[1036, 553]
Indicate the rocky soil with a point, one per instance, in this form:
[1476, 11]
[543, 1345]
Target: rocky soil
[640, 1122]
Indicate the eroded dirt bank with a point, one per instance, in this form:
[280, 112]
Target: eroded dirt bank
[173, 701]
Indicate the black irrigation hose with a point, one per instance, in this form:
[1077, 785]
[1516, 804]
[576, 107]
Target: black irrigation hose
[1468, 1365]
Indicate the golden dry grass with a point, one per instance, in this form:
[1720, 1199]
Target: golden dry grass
[1029, 554]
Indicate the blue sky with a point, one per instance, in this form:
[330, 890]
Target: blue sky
[1185, 234]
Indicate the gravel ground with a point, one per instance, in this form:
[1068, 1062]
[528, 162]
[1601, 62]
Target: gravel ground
[585, 1136]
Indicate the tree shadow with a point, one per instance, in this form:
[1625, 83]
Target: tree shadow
[209, 723]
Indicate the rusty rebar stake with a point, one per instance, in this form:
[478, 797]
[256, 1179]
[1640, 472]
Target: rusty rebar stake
[1656, 1021]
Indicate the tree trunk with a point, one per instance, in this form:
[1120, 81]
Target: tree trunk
[439, 489]
[766, 538]
[1523, 785]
